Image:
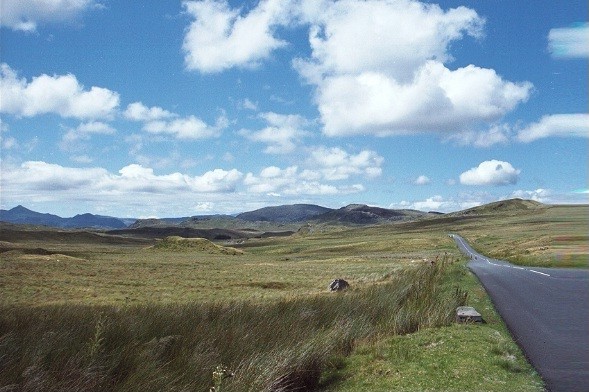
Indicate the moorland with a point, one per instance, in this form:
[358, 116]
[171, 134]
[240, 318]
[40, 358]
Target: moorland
[161, 307]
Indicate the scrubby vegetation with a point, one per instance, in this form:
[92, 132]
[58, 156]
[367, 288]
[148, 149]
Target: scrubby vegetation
[91, 311]
[286, 345]
[195, 244]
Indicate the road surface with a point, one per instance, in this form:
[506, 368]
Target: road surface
[546, 311]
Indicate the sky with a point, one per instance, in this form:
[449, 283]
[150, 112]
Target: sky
[180, 108]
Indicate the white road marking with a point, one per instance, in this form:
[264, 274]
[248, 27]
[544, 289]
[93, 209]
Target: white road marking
[476, 256]
[538, 272]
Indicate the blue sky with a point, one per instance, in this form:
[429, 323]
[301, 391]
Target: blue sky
[198, 107]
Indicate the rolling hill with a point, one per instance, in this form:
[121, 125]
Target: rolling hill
[361, 214]
[503, 206]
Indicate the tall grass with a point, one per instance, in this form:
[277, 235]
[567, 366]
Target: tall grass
[288, 345]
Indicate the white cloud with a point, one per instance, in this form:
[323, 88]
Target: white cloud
[137, 111]
[282, 134]
[569, 42]
[323, 165]
[62, 95]
[160, 121]
[98, 182]
[27, 15]
[491, 172]
[337, 164]
[190, 127]
[440, 204]
[496, 134]
[373, 73]
[352, 37]
[556, 125]
[84, 131]
[95, 127]
[540, 195]
[437, 99]
[422, 180]
[292, 182]
[430, 204]
[220, 37]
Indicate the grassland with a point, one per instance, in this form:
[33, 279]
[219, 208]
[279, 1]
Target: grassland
[81, 311]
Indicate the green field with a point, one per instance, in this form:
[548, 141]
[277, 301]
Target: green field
[86, 311]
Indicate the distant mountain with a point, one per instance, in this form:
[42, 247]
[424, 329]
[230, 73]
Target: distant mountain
[22, 215]
[361, 214]
[97, 221]
[285, 214]
[284, 218]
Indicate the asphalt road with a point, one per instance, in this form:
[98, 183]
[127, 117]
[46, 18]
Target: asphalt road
[546, 311]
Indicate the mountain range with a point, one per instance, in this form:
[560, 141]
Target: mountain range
[284, 217]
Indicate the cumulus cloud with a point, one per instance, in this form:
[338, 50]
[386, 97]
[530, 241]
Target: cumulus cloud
[137, 111]
[437, 99]
[556, 125]
[322, 174]
[337, 164]
[27, 15]
[282, 133]
[220, 37]
[440, 204]
[422, 180]
[58, 94]
[540, 195]
[292, 181]
[374, 74]
[491, 172]
[190, 127]
[352, 37]
[132, 179]
[160, 121]
[569, 42]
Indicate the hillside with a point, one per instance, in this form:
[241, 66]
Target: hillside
[285, 213]
[503, 206]
[360, 214]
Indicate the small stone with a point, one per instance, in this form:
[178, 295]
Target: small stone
[468, 314]
[338, 285]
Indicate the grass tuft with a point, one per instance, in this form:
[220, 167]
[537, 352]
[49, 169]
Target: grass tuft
[280, 346]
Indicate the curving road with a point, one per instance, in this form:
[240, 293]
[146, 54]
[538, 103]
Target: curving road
[546, 311]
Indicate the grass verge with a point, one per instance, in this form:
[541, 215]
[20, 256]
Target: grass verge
[456, 357]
